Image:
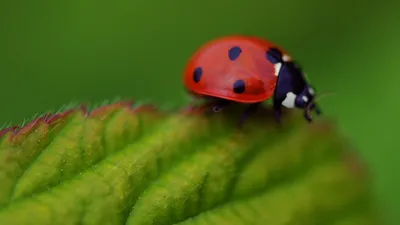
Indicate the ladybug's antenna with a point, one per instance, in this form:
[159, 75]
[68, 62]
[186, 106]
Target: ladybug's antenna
[323, 95]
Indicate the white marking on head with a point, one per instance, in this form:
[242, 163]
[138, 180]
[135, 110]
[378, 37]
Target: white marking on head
[311, 91]
[289, 100]
[305, 99]
[286, 58]
[277, 68]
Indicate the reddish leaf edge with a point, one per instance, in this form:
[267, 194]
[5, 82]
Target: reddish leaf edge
[53, 118]
[353, 159]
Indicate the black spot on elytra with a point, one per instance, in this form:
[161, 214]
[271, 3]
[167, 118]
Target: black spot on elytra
[197, 73]
[239, 86]
[234, 53]
[274, 55]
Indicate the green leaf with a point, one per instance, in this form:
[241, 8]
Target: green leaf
[129, 165]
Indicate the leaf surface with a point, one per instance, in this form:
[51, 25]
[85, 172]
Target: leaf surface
[120, 164]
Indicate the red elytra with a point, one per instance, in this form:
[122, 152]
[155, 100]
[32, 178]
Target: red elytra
[216, 66]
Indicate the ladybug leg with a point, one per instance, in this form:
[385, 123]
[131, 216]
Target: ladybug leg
[215, 105]
[315, 107]
[249, 110]
[307, 115]
[277, 110]
[220, 104]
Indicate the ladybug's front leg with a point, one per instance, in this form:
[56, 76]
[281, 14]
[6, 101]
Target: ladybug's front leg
[309, 109]
[307, 115]
[315, 107]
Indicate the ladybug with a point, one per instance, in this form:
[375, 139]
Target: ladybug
[248, 70]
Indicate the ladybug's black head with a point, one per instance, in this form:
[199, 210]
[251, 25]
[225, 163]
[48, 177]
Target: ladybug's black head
[305, 98]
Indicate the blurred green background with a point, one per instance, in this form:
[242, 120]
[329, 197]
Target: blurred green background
[56, 52]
